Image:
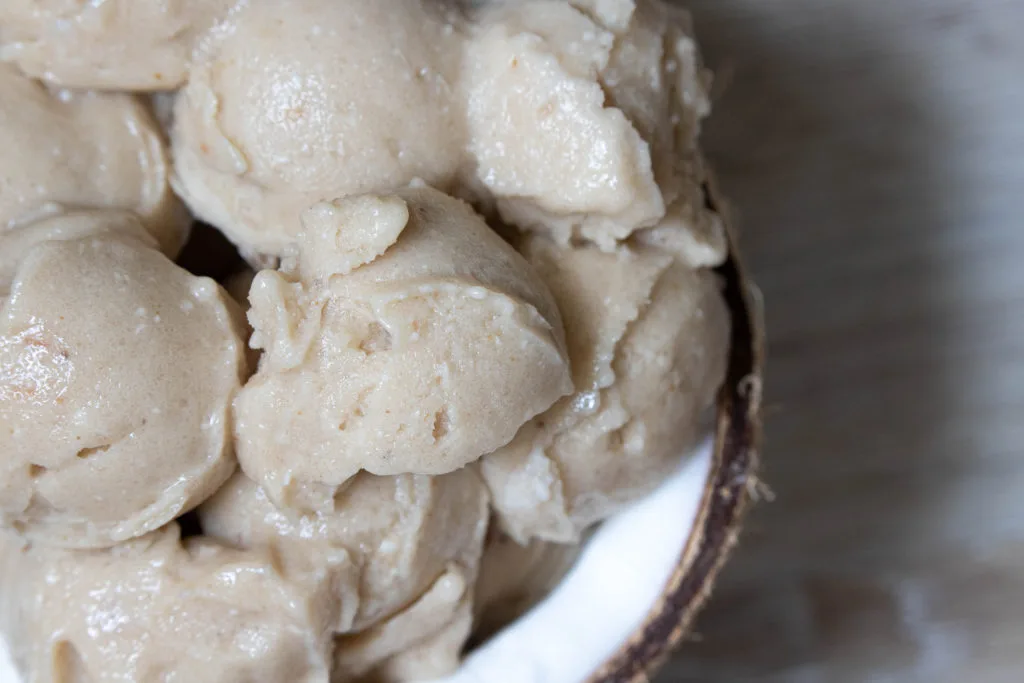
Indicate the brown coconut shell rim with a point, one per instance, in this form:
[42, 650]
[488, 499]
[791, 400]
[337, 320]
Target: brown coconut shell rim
[728, 490]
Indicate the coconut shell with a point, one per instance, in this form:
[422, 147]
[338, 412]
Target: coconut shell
[730, 485]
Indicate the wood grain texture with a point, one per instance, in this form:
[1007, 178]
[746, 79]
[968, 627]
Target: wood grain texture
[874, 154]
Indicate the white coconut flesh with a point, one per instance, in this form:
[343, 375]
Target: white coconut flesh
[603, 599]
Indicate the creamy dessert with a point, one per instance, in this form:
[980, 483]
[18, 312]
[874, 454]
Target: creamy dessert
[583, 116]
[406, 338]
[646, 336]
[117, 372]
[114, 44]
[514, 577]
[481, 314]
[159, 609]
[407, 548]
[399, 533]
[72, 151]
[292, 103]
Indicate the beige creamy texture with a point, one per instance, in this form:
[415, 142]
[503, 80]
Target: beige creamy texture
[572, 119]
[117, 371]
[113, 44]
[290, 103]
[422, 360]
[514, 577]
[65, 151]
[16, 244]
[646, 339]
[159, 609]
[413, 543]
[439, 414]
[583, 122]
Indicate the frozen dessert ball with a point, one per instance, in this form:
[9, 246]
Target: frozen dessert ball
[514, 577]
[422, 642]
[647, 337]
[117, 371]
[409, 338]
[159, 609]
[113, 45]
[72, 151]
[582, 120]
[414, 540]
[289, 103]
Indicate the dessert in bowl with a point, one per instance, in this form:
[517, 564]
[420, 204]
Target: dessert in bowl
[485, 301]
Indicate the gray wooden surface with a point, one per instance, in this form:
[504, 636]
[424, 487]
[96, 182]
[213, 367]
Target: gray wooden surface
[874, 151]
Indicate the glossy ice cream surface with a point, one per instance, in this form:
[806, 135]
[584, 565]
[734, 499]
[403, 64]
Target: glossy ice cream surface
[72, 151]
[156, 608]
[115, 44]
[646, 337]
[117, 372]
[583, 116]
[412, 544]
[291, 103]
[419, 351]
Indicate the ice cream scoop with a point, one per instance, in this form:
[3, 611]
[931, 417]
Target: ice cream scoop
[115, 44]
[420, 360]
[414, 540]
[582, 117]
[117, 372]
[514, 577]
[71, 151]
[647, 338]
[159, 609]
[290, 103]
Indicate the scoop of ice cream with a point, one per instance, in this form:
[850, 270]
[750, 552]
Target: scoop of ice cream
[647, 337]
[71, 151]
[422, 360]
[290, 103]
[156, 609]
[582, 120]
[415, 542]
[514, 577]
[422, 642]
[117, 371]
[113, 45]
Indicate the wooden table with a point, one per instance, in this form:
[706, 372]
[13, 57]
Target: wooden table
[874, 151]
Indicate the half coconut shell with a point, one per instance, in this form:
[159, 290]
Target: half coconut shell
[729, 488]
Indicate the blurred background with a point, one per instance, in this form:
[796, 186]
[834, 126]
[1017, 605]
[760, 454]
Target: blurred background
[874, 154]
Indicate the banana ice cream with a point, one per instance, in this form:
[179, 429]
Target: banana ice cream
[646, 337]
[117, 371]
[68, 151]
[291, 103]
[159, 609]
[582, 117]
[430, 354]
[514, 577]
[434, 400]
[114, 44]
[414, 541]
